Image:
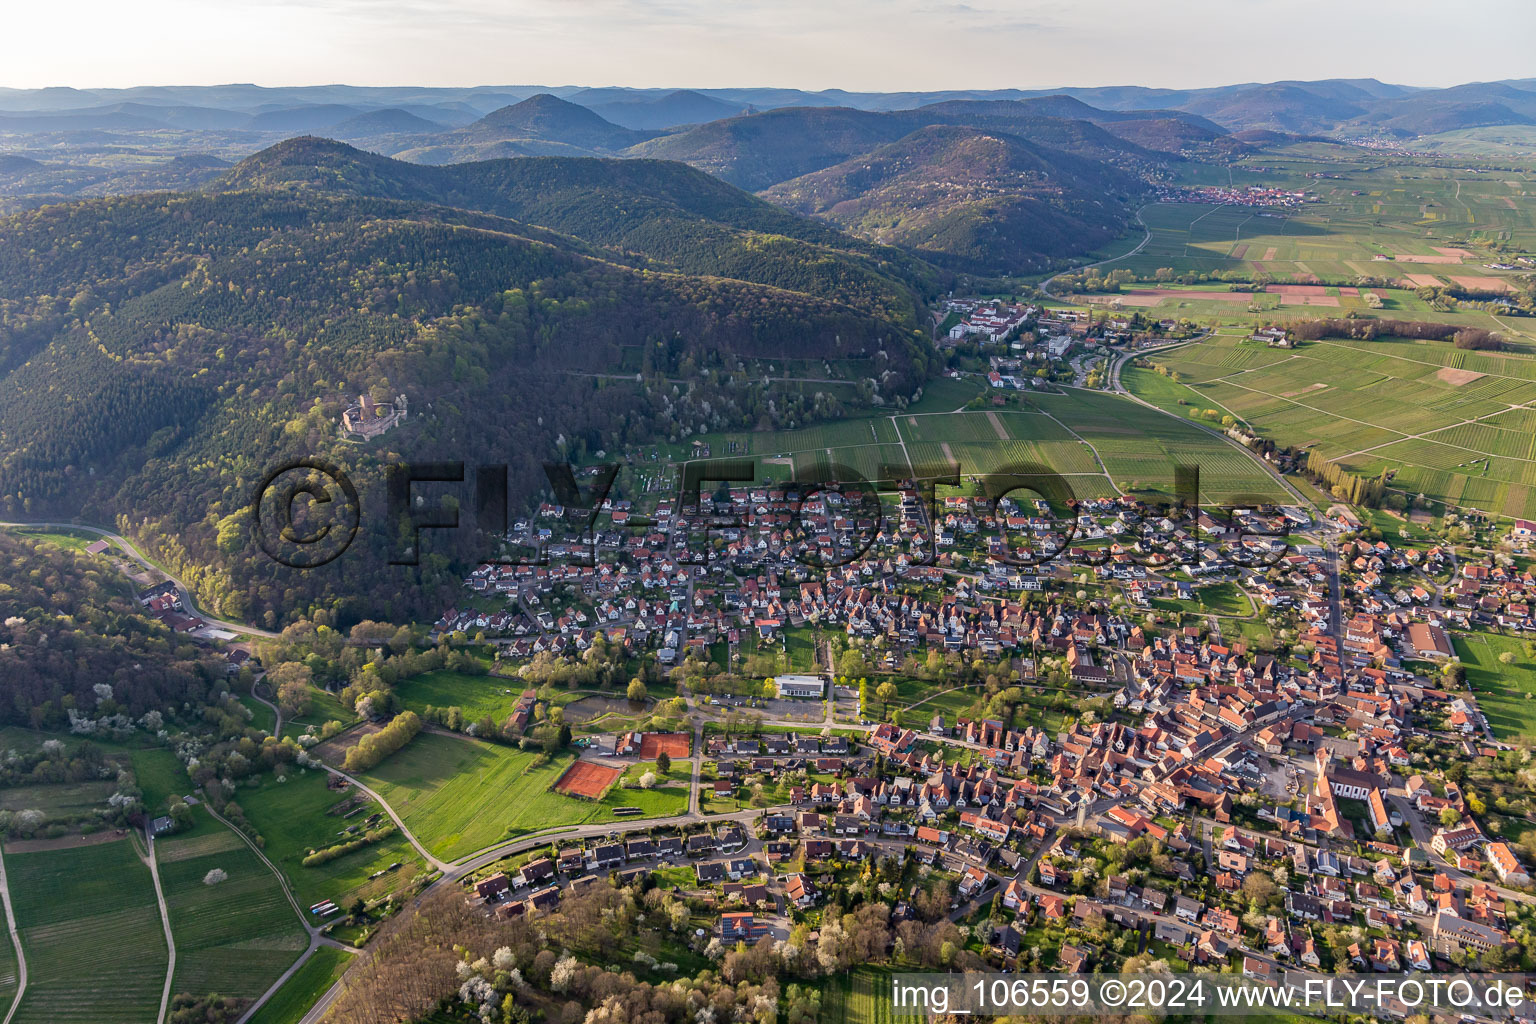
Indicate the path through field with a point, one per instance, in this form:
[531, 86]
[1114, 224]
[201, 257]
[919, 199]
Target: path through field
[165, 922]
[21, 957]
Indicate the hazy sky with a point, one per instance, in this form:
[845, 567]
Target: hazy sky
[812, 44]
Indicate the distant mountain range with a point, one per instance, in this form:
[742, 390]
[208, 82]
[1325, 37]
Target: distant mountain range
[1331, 106]
[1029, 177]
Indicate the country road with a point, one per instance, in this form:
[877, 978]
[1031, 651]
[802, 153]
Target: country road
[138, 556]
[21, 956]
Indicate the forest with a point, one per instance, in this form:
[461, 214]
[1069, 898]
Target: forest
[160, 353]
[79, 654]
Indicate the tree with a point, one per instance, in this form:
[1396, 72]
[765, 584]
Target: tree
[663, 762]
[887, 692]
[770, 689]
[1259, 888]
[1449, 816]
[636, 691]
[291, 681]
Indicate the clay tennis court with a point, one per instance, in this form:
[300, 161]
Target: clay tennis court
[675, 744]
[587, 779]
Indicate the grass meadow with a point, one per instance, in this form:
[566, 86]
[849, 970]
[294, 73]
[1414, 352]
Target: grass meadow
[459, 795]
[293, 820]
[290, 1003]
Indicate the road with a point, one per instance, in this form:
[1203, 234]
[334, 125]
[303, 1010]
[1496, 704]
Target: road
[21, 957]
[1120, 389]
[426, 854]
[138, 556]
[1045, 286]
[165, 922]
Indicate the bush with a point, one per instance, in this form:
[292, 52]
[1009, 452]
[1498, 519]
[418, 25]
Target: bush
[372, 749]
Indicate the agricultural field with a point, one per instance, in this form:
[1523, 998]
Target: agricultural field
[290, 1003]
[1101, 444]
[292, 818]
[74, 907]
[859, 996]
[1450, 424]
[459, 795]
[235, 937]
[1378, 221]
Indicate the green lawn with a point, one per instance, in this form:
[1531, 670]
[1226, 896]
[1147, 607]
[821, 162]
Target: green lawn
[477, 695]
[323, 707]
[460, 795]
[1503, 691]
[94, 943]
[291, 817]
[160, 776]
[234, 938]
[262, 717]
[290, 1003]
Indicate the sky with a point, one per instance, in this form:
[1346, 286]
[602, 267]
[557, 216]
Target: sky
[861, 45]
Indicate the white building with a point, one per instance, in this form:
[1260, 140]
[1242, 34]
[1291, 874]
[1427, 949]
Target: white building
[801, 686]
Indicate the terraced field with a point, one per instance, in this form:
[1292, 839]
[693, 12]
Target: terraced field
[1453, 425]
[236, 937]
[89, 925]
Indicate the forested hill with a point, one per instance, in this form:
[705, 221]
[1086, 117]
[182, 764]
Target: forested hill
[971, 199]
[159, 353]
[74, 644]
[676, 217]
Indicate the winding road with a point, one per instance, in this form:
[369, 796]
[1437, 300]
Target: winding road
[138, 556]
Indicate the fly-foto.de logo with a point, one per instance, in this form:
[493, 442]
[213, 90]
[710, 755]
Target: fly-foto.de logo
[1023, 517]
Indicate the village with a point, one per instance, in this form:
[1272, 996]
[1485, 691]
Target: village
[1231, 808]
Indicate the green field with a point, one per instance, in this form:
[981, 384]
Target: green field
[160, 775]
[290, 1003]
[92, 935]
[234, 938]
[1447, 423]
[291, 817]
[8, 976]
[1363, 210]
[1506, 693]
[859, 996]
[323, 707]
[478, 696]
[460, 795]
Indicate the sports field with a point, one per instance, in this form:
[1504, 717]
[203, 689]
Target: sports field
[235, 937]
[1453, 425]
[587, 779]
[94, 942]
[460, 795]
